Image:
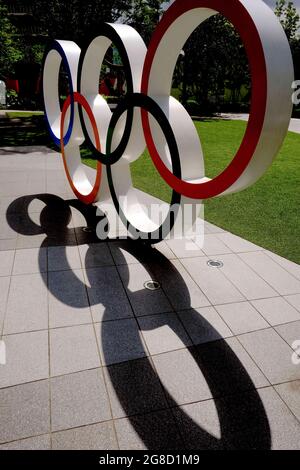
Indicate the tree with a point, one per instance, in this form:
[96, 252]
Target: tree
[289, 18]
[10, 52]
[144, 15]
[214, 60]
[76, 19]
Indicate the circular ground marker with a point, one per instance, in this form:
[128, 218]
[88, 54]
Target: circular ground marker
[215, 264]
[152, 285]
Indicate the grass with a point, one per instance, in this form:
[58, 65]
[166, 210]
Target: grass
[267, 213]
[23, 114]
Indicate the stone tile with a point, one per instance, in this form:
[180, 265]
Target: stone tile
[31, 443]
[211, 228]
[152, 431]
[289, 266]
[294, 300]
[181, 377]
[134, 388]
[204, 325]
[32, 241]
[24, 411]
[217, 288]
[214, 246]
[237, 244]
[227, 367]
[163, 333]
[73, 349]
[184, 248]
[273, 274]
[119, 341]
[126, 252]
[95, 255]
[242, 317]
[94, 437]
[27, 307]
[247, 281]
[26, 358]
[290, 332]
[179, 287]
[256, 420]
[78, 399]
[271, 354]
[63, 258]
[9, 203]
[276, 311]
[68, 301]
[9, 244]
[106, 294]
[6, 262]
[4, 288]
[143, 301]
[200, 426]
[30, 261]
[290, 393]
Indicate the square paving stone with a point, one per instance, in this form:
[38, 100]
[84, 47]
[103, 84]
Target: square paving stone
[292, 268]
[27, 307]
[245, 279]
[73, 349]
[120, 341]
[163, 333]
[78, 399]
[143, 301]
[30, 261]
[215, 285]
[272, 354]
[134, 388]
[151, 431]
[6, 262]
[106, 294]
[294, 300]
[31, 443]
[237, 244]
[290, 393]
[95, 437]
[181, 377]
[204, 325]
[179, 287]
[278, 278]
[62, 258]
[24, 411]
[276, 311]
[26, 358]
[290, 333]
[242, 317]
[184, 248]
[95, 255]
[68, 301]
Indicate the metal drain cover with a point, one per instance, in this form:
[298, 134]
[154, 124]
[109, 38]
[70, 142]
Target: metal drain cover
[215, 263]
[152, 285]
[87, 229]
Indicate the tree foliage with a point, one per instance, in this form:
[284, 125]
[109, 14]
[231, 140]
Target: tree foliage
[289, 18]
[10, 52]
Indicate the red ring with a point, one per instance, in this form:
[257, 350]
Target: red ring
[235, 12]
[78, 98]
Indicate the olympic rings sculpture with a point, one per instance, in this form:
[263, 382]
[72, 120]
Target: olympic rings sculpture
[149, 116]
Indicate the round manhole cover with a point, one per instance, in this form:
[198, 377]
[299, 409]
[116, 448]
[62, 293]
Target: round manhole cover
[215, 263]
[87, 229]
[152, 285]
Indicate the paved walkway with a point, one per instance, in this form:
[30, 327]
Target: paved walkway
[293, 127]
[94, 360]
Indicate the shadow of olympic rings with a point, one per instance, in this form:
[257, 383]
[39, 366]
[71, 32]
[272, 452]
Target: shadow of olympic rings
[242, 419]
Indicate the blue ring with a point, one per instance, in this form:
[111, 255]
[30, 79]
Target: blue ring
[57, 47]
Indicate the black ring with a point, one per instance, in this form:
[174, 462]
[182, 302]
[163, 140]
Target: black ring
[139, 100]
[109, 32]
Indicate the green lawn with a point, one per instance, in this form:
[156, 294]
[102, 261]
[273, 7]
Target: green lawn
[23, 114]
[267, 213]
